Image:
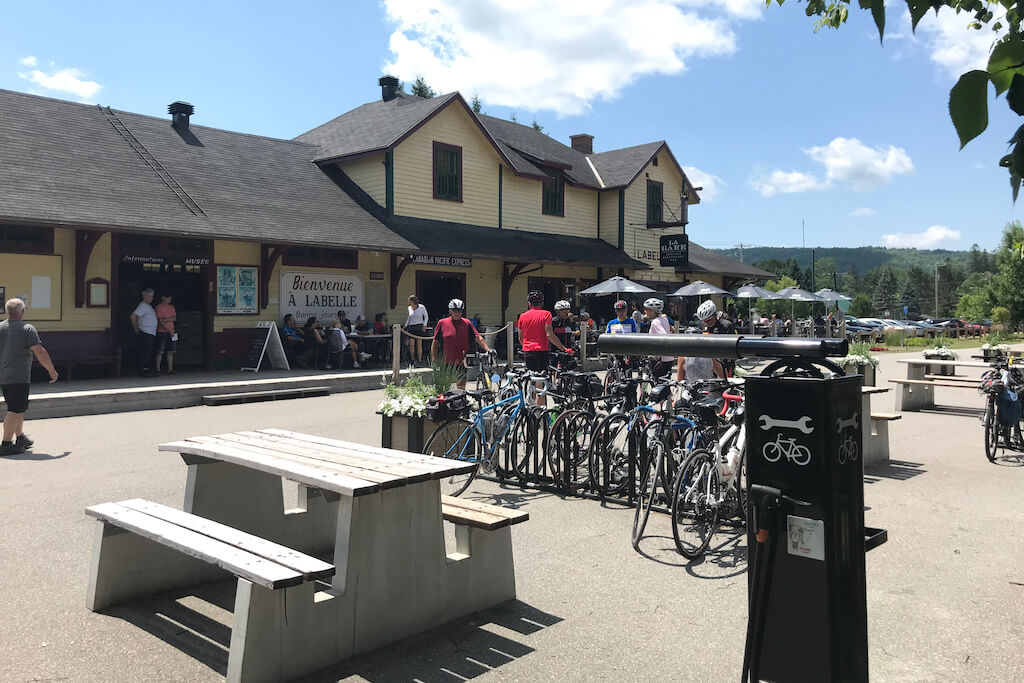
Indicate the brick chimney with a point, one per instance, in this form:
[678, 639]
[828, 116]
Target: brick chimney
[583, 143]
[388, 88]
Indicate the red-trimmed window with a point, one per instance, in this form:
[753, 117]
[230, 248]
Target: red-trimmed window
[447, 172]
[23, 239]
[553, 202]
[655, 197]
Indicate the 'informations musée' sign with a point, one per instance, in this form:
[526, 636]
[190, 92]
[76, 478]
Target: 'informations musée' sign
[675, 250]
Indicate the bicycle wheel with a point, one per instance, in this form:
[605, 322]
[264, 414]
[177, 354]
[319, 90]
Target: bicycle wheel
[651, 472]
[568, 447]
[611, 378]
[608, 458]
[522, 444]
[456, 440]
[991, 428]
[695, 495]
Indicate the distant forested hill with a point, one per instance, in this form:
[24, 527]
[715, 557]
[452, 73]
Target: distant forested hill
[860, 259]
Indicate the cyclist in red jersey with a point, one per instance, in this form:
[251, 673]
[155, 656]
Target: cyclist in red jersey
[537, 333]
[453, 336]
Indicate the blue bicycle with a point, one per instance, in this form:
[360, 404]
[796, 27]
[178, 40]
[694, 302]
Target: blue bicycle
[480, 437]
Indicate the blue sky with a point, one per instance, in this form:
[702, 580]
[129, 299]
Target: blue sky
[779, 124]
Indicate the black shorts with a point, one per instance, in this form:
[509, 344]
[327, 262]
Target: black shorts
[16, 396]
[661, 368]
[418, 330]
[536, 361]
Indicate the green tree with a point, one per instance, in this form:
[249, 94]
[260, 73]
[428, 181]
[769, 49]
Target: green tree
[1000, 314]
[1009, 285]
[950, 277]
[908, 296]
[884, 298]
[476, 104]
[861, 306]
[968, 100]
[421, 89]
[825, 274]
[973, 306]
[979, 260]
[537, 127]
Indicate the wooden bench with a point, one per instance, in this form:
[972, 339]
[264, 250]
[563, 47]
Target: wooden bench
[272, 395]
[138, 539]
[464, 512]
[916, 394]
[70, 349]
[885, 417]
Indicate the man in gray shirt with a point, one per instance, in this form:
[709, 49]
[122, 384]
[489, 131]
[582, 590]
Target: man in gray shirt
[19, 341]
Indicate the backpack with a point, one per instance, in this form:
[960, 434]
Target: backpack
[448, 405]
[1009, 408]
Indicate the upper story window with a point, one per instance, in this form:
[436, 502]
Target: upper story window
[655, 195]
[317, 257]
[553, 203]
[447, 172]
[17, 239]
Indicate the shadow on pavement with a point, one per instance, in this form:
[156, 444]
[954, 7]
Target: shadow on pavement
[29, 455]
[458, 651]
[961, 411]
[723, 559]
[894, 469]
[1010, 460]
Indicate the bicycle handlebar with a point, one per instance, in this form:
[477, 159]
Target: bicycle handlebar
[720, 346]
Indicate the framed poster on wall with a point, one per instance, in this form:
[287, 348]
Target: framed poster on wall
[236, 290]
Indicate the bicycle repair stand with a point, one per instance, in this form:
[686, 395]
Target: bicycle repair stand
[805, 512]
[808, 616]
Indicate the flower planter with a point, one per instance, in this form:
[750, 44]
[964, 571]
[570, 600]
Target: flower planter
[992, 354]
[946, 370]
[405, 433]
[869, 374]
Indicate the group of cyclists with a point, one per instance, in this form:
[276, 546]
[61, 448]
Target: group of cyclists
[541, 332]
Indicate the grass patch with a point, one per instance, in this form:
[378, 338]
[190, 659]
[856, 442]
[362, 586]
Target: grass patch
[892, 341]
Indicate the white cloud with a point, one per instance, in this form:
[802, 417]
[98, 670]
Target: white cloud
[952, 45]
[558, 56]
[28, 61]
[863, 211]
[711, 183]
[935, 236]
[64, 81]
[848, 162]
[786, 182]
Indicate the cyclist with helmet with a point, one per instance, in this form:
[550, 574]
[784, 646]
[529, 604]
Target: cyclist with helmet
[716, 323]
[537, 335]
[659, 325]
[453, 337]
[564, 327]
[622, 322]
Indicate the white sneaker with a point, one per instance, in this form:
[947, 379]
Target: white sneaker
[357, 366]
[364, 355]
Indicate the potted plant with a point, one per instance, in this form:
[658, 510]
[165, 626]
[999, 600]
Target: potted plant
[404, 423]
[860, 360]
[940, 352]
[994, 347]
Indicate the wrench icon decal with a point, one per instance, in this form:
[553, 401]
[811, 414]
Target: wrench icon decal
[803, 424]
[853, 421]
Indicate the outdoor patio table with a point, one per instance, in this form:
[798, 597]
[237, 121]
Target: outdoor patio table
[377, 345]
[378, 511]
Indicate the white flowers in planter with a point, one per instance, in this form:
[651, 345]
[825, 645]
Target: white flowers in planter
[940, 353]
[409, 399]
[856, 359]
[997, 348]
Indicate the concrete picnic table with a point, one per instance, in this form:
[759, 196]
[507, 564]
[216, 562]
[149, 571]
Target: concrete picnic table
[917, 391]
[377, 511]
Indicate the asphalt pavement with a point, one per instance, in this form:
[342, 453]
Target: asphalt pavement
[945, 594]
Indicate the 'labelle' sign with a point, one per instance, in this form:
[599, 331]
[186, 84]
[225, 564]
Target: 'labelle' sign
[321, 295]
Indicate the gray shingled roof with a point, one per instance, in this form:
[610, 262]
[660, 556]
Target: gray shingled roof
[706, 261]
[532, 143]
[618, 167]
[373, 126]
[64, 163]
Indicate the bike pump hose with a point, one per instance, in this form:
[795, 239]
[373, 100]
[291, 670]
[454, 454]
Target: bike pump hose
[726, 346]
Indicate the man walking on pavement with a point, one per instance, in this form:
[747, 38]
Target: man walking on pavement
[19, 342]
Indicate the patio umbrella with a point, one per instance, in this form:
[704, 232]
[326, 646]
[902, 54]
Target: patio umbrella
[699, 288]
[616, 285]
[795, 294]
[749, 292]
[832, 295]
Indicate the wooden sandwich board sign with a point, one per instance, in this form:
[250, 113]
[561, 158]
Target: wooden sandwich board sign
[264, 341]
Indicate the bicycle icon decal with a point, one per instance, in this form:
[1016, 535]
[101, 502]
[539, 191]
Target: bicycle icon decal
[848, 449]
[794, 452]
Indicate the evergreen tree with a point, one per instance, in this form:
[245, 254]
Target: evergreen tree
[978, 261]
[537, 127]
[950, 276]
[421, 89]
[476, 104]
[908, 296]
[884, 298]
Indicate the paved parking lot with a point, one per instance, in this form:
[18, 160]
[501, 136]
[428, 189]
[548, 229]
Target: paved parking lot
[945, 594]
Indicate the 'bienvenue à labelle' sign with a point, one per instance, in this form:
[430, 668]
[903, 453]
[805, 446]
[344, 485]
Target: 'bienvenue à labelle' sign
[321, 295]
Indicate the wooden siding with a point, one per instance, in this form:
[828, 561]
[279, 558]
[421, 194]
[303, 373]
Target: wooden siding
[414, 172]
[522, 208]
[368, 173]
[610, 217]
[643, 244]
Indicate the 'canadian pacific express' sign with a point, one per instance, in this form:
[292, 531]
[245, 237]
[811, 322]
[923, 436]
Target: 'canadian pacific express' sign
[321, 295]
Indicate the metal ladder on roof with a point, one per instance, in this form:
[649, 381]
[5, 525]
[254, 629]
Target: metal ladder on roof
[152, 161]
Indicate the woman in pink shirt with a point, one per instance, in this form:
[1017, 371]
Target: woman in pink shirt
[659, 325]
[166, 337]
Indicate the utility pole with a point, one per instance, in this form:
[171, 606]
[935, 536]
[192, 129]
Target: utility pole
[814, 282]
[740, 247]
[803, 235]
[936, 290]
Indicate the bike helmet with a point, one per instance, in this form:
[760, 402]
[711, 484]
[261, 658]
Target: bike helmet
[562, 305]
[620, 304]
[707, 310]
[456, 305]
[536, 298]
[655, 305]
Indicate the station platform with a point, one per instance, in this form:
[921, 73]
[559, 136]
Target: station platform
[125, 394]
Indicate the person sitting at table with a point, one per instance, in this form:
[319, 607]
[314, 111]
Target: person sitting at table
[476, 322]
[338, 343]
[380, 323]
[293, 341]
[346, 324]
[316, 345]
[363, 325]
